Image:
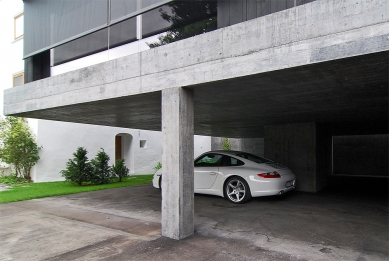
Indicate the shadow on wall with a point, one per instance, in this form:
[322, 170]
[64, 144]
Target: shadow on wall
[361, 155]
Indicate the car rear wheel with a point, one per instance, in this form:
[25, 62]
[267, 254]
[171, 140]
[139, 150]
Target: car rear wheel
[237, 190]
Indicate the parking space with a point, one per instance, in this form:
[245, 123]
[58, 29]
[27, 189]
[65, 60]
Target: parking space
[124, 224]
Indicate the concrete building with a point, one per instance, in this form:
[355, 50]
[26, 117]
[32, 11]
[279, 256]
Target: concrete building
[141, 149]
[294, 73]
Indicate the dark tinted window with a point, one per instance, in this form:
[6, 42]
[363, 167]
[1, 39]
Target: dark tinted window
[208, 160]
[180, 20]
[252, 157]
[86, 45]
[122, 33]
[153, 21]
[230, 161]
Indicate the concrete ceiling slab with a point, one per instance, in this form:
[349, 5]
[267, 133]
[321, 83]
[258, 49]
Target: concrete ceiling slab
[345, 92]
[341, 92]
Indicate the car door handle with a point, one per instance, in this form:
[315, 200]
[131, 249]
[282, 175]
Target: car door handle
[212, 173]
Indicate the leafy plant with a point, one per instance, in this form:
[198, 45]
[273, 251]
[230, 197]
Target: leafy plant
[102, 172]
[78, 169]
[159, 166]
[18, 146]
[120, 170]
[12, 179]
[226, 144]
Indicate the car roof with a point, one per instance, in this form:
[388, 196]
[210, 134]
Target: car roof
[228, 152]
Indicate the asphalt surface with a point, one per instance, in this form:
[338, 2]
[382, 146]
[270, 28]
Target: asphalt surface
[124, 224]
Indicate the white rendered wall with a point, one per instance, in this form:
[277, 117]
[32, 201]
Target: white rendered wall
[61, 139]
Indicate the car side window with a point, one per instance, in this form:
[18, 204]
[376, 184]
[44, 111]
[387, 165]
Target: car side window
[208, 160]
[253, 158]
[230, 161]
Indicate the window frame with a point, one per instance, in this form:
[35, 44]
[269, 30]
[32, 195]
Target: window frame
[208, 164]
[15, 19]
[15, 76]
[227, 158]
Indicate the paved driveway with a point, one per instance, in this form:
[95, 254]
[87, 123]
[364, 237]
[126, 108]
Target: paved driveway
[124, 224]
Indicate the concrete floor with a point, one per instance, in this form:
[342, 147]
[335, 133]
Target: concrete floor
[123, 224]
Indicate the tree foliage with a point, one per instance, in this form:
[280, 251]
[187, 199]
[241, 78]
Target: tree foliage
[120, 170]
[18, 146]
[187, 19]
[102, 172]
[97, 171]
[78, 169]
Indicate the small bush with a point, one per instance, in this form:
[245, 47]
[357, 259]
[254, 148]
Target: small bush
[78, 169]
[119, 170]
[102, 172]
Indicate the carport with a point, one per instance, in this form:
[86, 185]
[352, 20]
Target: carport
[248, 80]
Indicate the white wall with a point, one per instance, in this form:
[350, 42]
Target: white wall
[61, 139]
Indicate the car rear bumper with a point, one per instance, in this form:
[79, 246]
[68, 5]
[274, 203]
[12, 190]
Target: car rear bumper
[270, 187]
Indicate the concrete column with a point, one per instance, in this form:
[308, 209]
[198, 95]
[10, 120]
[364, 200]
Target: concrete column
[177, 162]
[305, 149]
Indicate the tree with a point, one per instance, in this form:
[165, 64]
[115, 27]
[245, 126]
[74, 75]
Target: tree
[78, 169]
[187, 19]
[120, 170]
[102, 172]
[18, 146]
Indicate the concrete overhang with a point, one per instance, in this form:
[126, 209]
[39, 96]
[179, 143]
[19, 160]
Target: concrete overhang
[311, 63]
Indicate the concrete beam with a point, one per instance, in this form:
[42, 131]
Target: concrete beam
[177, 162]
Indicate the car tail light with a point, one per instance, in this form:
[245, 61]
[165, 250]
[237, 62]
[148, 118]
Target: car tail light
[269, 175]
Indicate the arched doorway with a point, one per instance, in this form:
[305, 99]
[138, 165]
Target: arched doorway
[124, 150]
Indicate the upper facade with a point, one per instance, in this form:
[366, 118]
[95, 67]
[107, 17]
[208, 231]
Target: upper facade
[75, 29]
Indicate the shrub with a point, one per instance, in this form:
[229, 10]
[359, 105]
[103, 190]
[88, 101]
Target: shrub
[18, 146]
[119, 170]
[102, 172]
[78, 169]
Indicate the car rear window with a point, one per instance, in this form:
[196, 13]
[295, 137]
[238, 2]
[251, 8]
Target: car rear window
[252, 157]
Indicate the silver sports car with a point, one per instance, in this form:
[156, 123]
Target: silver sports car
[237, 176]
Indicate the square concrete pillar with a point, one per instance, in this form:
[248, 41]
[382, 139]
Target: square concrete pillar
[305, 148]
[177, 163]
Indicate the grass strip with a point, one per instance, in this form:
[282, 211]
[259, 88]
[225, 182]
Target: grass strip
[48, 189]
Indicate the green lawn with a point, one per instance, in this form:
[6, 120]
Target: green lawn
[47, 189]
